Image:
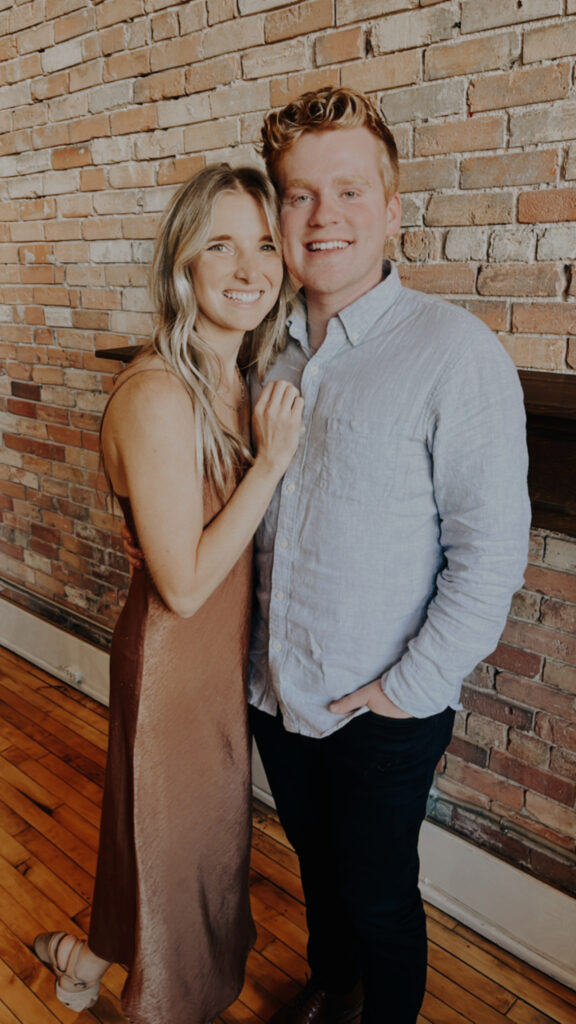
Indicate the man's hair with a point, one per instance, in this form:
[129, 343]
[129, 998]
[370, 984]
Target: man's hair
[327, 109]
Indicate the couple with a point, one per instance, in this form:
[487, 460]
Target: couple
[388, 491]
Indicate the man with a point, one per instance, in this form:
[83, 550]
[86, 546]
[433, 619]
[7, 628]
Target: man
[385, 563]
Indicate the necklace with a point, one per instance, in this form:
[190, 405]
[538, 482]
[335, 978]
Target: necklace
[235, 408]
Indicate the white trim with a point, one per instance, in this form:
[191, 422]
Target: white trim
[518, 912]
[58, 652]
[523, 915]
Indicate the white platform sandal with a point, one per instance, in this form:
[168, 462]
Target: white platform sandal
[82, 994]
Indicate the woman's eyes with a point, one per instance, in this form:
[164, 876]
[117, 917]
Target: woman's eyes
[223, 247]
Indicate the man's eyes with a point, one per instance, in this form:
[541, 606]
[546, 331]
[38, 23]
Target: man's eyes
[298, 199]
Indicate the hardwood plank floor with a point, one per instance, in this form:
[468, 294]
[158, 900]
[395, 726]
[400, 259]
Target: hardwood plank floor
[52, 752]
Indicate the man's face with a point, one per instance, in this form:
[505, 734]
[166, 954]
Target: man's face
[335, 217]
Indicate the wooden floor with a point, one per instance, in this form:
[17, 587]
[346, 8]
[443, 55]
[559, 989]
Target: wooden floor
[52, 747]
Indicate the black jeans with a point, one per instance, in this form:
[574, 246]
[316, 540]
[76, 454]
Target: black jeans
[352, 804]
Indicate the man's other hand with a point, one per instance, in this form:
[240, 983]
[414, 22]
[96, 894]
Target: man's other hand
[371, 696]
[131, 550]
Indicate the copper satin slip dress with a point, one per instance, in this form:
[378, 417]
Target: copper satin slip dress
[171, 899]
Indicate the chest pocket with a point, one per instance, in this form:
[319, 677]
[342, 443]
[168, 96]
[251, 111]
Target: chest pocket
[358, 461]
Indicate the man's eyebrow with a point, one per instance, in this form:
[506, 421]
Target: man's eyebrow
[297, 183]
[344, 179]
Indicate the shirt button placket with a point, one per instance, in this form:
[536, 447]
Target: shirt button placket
[286, 527]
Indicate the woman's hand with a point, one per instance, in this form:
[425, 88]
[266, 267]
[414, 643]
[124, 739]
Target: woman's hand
[276, 421]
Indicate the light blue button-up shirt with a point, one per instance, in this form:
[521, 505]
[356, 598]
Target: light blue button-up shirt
[396, 539]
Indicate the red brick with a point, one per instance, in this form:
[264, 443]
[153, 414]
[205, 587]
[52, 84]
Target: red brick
[209, 74]
[127, 122]
[40, 448]
[537, 167]
[496, 708]
[558, 615]
[173, 172]
[342, 45]
[563, 763]
[479, 208]
[485, 782]
[460, 136]
[112, 11]
[544, 641]
[550, 41]
[556, 731]
[284, 89]
[556, 815]
[163, 85]
[176, 53]
[531, 778]
[469, 752]
[446, 279]
[529, 749]
[544, 317]
[491, 311]
[547, 206]
[514, 659]
[535, 85]
[298, 19]
[521, 279]
[550, 836]
[535, 695]
[464, 57]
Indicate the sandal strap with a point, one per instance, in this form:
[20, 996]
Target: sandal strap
[52, 950]
[72, 963]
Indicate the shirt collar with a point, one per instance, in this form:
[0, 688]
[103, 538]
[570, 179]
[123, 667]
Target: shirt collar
[359, 317]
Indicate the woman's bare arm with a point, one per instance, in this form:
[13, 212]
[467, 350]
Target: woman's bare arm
[148, 443]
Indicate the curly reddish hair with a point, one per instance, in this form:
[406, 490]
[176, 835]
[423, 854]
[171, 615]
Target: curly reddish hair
[327, 109]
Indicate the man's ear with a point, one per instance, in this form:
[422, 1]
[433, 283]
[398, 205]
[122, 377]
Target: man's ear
[394, 218]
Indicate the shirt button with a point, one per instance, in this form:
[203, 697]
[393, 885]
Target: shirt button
[277, 645]
[313, 371]
[284, 543]
[279, 595]
[290, 488]
[354, 335]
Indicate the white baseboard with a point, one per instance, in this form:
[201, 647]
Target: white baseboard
[530, 919]
[523, 915]
[58, 652]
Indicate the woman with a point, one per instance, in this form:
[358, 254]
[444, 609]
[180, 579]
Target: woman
[171, 895]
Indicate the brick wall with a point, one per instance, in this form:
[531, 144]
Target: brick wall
[106, 106]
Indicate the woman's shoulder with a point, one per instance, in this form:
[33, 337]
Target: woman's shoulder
[148, 381]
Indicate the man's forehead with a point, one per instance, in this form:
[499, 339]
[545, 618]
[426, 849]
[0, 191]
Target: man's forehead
[350, 158]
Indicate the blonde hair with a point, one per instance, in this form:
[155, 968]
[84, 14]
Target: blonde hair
[327, 109]
[184, 231]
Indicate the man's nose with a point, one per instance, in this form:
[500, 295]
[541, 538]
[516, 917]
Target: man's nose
[324, 210]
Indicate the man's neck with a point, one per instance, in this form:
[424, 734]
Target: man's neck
[319, 315]
[320, 310]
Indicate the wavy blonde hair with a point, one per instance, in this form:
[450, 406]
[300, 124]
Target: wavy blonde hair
[183, 232]
[327, 109]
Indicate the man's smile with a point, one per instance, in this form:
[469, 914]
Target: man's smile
[327, 246]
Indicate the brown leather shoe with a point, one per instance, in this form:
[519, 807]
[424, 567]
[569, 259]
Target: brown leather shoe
[314, 1005]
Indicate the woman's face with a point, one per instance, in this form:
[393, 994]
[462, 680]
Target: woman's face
[238, 273]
